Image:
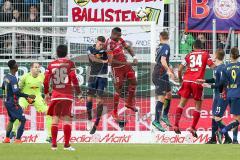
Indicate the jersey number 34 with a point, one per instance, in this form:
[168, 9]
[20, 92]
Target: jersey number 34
[195, 60]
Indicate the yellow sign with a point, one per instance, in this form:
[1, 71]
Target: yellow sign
[81, 2]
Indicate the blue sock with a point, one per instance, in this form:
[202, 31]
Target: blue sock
[21, 128]
[9, 129]
[158, 110]
[99, 114]
[89, 110]
[214, 128]
[167, 107]
[222, 126]
[235, 134]
[230, 126]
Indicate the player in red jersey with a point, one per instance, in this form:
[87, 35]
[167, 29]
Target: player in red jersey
[196, 63]
[61, 73]
[121, 69]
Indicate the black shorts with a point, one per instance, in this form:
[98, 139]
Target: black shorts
[96, 85]
[162, 84]
[14, 112]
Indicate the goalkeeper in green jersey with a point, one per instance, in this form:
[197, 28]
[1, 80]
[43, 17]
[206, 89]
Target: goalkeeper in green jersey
[32, 83]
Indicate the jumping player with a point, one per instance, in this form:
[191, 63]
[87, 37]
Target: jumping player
[196, 63]
[121, 69]
[98, 60]
[61, 73]
[160, 76]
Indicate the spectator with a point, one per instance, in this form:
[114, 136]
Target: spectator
[17, 16]
[6, 12]
[206, 43]
[186, 43]
[222, 41]
[33, 14]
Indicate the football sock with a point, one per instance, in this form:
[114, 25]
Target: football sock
[21, 129]
[158, 110]
[196, 116]
[48, 125]
[89, 110]
[67, 134]
[167, 107]
[178, 115]
[54, 131]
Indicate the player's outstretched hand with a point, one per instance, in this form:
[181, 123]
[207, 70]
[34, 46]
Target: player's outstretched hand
[206, 85]
[30, 99]
[200, 81]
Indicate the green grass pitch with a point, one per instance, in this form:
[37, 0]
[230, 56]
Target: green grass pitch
[120, 152]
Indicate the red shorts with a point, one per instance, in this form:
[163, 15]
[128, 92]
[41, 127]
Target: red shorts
[121, 73]
[60, 108]
[188, 88]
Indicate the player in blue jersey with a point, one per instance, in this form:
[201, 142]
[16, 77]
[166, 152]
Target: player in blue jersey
[97, 82]
[12, 94]
[219, 104]
[160, 76]
[231, 80]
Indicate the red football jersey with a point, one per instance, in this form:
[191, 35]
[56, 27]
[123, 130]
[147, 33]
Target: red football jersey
[61, 74]
[196, 63]
[117, 48]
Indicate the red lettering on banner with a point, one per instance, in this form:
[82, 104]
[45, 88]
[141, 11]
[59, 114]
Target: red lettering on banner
[125, 15]
[201, 138]
[76, 14]
[29, 139]
[196, 5]
[109, 15]
[112, 138]
[102, 15]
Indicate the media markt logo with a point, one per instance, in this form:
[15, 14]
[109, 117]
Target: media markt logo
[81, 2]
[225, 9]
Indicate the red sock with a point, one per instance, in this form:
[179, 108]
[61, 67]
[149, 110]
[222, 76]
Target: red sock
[54, 131]
[67, 134]
[196, 116]
[178, 115]
[116, 101]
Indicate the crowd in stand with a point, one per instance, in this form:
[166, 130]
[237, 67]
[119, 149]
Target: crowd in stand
[20, 11]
